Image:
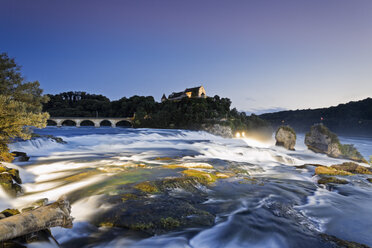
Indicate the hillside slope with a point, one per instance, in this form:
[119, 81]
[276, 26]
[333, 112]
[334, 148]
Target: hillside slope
[352, 118]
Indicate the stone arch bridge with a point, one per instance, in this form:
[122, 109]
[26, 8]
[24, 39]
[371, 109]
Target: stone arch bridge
[97, 121]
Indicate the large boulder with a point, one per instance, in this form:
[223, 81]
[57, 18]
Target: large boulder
[10, 180]
[285, 136]
[321, 140]
[20, 156]
[219, 130]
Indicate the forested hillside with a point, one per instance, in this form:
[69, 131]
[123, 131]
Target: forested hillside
[350, 118]
[186, 113]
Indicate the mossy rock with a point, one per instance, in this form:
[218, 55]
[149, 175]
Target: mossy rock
[20, 156]
[353, 168]
[41, 202]
[325, 131]
[369, 180]
[128, 196]
[209, 177]
[286, 137]
[6, 178]
[155, 215]
[10, 212]
[106, 224]
[189, 184]
[169, 223]
[334, 180]
[13, 172]
[28, 209]
[350, 152]
[147, 187]
[324, 170]
[320, 139]
[6, 182]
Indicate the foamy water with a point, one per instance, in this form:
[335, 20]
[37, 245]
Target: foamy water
[285, 200]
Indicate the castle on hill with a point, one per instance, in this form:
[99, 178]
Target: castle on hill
[196, 92]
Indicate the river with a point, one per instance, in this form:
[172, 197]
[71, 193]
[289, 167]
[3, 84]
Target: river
[266, 202]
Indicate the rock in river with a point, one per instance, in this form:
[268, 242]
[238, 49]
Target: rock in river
[321, 140]
[285, 136]
[21, 156]
[10, 180]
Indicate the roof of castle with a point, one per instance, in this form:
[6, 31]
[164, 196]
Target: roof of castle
[194, 91]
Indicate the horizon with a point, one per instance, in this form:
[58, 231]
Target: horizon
[264, 56]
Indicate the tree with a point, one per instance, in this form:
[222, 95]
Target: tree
[20, 105]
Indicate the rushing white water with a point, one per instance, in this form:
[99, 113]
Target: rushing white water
[86, 167]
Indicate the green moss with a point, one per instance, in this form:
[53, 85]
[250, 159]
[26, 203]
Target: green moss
[352, 168]
[10, 212]
[147, 187]
[27, 209]
[106, 224]
[169, 223]
[189, 184]
[324, 170]
[369, 180]
[324, 130]
[6, 178]
[326, 180]
[209, 177]
[6, 174]
[128, 196]
[142, 226]
[349, 151]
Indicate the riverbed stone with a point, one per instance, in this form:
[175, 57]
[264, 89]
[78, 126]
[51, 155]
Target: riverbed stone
[334, 180]
[159, 206]
[285, 136]
[353, 168]
[10, 180]
[325, 170]
[20, 156]
[218, 129]
[321, 140]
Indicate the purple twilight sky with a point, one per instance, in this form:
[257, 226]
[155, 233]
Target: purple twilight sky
[263, 54]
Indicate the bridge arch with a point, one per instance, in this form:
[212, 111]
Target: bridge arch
[87, 123]
[123, 123]
[68, 122]
[51, 123]
[106, 123]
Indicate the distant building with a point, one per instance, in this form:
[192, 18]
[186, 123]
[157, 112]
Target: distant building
[196, 92]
